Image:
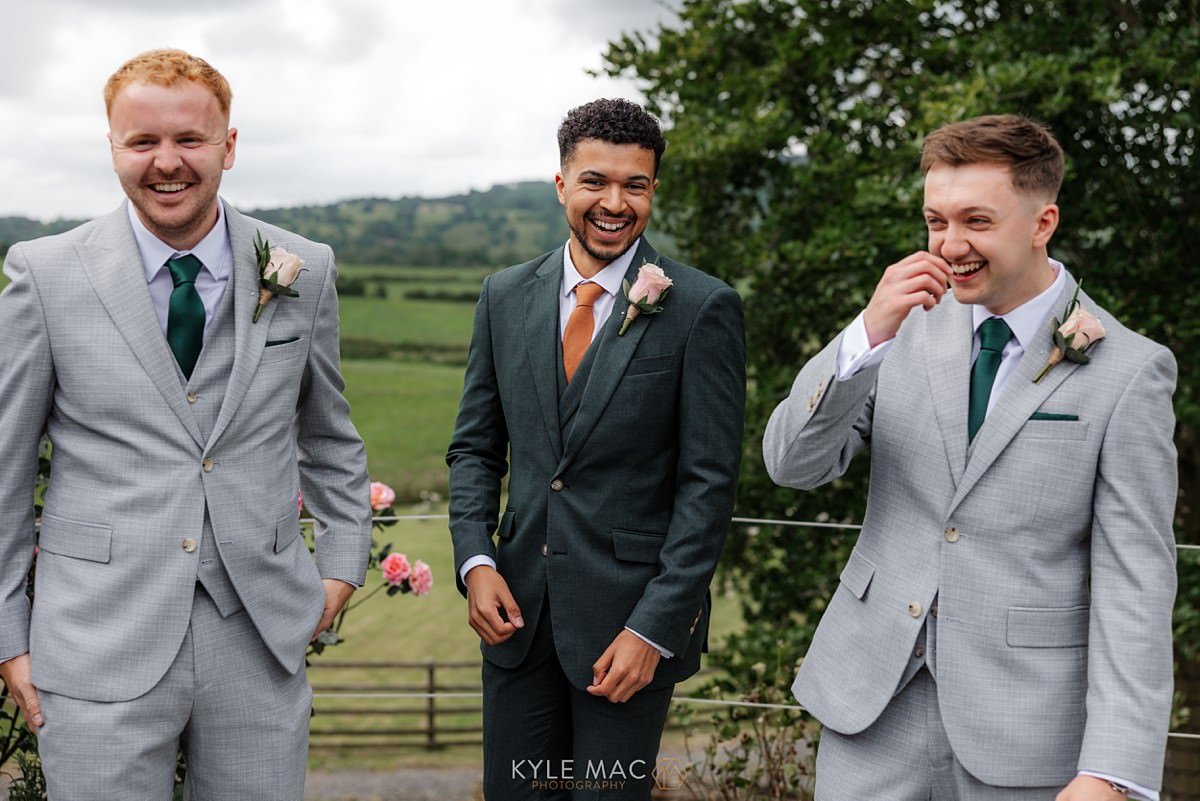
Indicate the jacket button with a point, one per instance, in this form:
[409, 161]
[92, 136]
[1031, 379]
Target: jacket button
[951, 535]
[207, 465]
[192, 397]
[557, 485]
[188, 545]
[933, 610]
[543, 549]
[914, 609]
[919, 652]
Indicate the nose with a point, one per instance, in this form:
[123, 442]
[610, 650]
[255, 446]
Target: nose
[167, 158]
[954, 244]
[614, 199]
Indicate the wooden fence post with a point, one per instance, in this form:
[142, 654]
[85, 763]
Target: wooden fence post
[431, 705]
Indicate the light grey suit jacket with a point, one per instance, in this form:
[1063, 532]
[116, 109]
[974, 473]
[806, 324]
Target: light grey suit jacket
[1055, 586]
[83, 358]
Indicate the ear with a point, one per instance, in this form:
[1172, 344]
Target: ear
[1045, 225]
[230, 148]
[560, 187]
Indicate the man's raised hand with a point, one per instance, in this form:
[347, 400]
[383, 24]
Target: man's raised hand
[916, 280]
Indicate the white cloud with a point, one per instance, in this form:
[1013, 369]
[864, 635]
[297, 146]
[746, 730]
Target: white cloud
[331, 99]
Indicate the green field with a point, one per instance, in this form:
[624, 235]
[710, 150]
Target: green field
[405, 413]
[404, 628]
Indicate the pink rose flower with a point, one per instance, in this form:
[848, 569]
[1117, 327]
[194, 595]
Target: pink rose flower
[650, 284]
[421, 580]
[284, 266]
[382, 496]
[1086, 328]
[395, 568]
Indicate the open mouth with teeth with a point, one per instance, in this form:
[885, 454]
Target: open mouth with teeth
[967, 268]
[169, 188]
[609, 226]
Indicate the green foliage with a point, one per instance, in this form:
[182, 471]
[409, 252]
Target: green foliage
[795, 128]
[501, 226]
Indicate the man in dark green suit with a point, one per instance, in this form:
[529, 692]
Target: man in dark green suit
[624, 449]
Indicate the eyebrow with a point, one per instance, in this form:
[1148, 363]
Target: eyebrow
[598, 174]
[968, 210]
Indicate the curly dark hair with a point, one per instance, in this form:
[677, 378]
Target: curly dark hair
[614, 120]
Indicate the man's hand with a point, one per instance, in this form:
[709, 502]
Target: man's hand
[1089, 788]
[15, 673]
[487, 594]
[337, 592]
[625, 667]
[916, 280]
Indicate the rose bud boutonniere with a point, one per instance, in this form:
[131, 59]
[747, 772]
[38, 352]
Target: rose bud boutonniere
[277, 271]
[646, 294]
[1074, 337]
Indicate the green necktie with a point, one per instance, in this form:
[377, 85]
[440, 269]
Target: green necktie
[185, 313]
[994, 334]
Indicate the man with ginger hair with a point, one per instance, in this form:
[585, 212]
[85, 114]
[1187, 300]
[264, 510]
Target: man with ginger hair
[175, 596]
[1002, 629]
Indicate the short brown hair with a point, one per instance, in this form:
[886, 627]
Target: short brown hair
[168, 68]
[1026, 147]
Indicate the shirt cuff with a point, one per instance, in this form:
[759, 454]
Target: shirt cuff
[473, 562]
[1135, 790]
[665, 653]
[855, 353]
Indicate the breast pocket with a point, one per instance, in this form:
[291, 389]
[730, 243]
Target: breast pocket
[283, 349]
[648, 365]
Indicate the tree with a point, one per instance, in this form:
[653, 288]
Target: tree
[794, 130]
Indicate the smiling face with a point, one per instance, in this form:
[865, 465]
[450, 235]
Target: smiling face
[993, 236]
[170, 145]
[607, 190]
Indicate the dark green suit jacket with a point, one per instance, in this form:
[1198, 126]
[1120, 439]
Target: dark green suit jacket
[622, 485]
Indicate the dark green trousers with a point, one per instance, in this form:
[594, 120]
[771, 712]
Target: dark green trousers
[546, 739]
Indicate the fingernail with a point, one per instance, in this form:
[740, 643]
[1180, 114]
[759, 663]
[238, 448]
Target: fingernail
[518, 621]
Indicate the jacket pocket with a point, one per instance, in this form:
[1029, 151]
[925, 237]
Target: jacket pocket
[651, 364]
[1031, 627]
[505, 531]
[287, 528]
[857, 574]
[637, 546]
[1054, 428]
[72, 538]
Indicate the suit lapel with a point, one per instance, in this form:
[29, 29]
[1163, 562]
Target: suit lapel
[609, 361]
[948, 349]
[542, 337]
[114, 269]
[249, 337]
[1019, 399]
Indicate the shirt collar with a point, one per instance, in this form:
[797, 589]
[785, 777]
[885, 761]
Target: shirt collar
[1025, 321]
[609, 278]
[213, 251]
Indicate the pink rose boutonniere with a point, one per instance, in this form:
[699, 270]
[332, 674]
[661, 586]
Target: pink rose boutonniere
[646, 294]
[277, 271]
[1074, 337]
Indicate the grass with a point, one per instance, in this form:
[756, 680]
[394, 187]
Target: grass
[405, 413]
[409, 629]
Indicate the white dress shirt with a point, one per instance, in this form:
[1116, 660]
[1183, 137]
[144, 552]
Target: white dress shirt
[609, 280]
[214, 252]
[855, 353]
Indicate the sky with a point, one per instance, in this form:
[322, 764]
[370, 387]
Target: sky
[333, 99]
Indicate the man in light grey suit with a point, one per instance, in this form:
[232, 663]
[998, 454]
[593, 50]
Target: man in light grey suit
[174, 594]
[1002, 629]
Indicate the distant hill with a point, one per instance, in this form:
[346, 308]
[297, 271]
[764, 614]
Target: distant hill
[503, 225]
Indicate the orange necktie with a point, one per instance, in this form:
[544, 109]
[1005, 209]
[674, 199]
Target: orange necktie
[580, 325]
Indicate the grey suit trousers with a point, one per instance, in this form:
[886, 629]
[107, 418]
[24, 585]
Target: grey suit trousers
[240, 718]
[910, 755]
